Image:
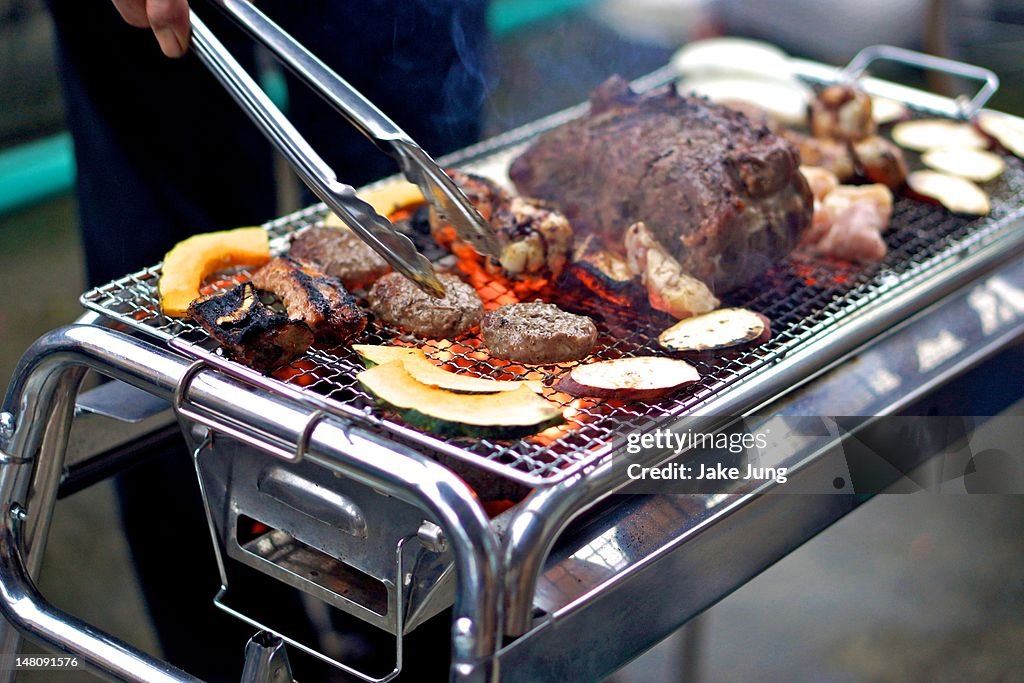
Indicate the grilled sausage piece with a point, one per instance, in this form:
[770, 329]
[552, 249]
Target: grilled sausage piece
[314, 297]
[341, 254]
[397, 301]
[248, 330]
[538, 333]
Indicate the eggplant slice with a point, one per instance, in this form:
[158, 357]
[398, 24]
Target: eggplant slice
[632, 379]
[724, 328]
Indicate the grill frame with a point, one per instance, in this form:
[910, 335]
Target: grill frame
[822, 310]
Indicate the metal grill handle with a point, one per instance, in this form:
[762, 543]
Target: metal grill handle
[874, 53]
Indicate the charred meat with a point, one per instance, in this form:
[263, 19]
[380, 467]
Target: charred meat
[398, 302]
[538, 333]
[880, 161]
[534, 238]
[314, 297]
[832, 155]
[248, 330]
[842, 112]
[723, 196]
[595, 268]
[341, 254]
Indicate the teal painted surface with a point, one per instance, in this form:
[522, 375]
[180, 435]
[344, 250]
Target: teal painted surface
[35, 171]
[38, 170]
[505, 16]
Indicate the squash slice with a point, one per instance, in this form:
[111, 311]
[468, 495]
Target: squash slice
[385, 200]
[503, 415]
[423, 370]
[193, 259]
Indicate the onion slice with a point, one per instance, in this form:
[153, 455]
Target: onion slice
[634, 379]
[1007, 131]
[973, 164]
[953, 192]
[718, 329]
[925, 134]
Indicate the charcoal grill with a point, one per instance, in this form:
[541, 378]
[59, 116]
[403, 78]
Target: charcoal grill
[356, 510]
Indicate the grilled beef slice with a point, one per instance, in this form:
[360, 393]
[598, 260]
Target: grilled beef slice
[248, 330]
[341, 254]
[724, 196]
[314, 297]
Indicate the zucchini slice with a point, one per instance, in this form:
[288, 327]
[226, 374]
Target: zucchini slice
[720, 329]
[631, 379]
[425, 371]
[503, 415]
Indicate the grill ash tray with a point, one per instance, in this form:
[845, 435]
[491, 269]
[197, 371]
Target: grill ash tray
[804, 299]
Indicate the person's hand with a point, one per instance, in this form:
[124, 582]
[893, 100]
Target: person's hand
[167, 18]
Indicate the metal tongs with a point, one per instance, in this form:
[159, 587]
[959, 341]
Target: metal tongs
[374, 229]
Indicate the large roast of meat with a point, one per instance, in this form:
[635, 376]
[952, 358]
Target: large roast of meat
[723, 195]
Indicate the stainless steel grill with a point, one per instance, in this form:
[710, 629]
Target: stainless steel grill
[804, 298]
[561, 589]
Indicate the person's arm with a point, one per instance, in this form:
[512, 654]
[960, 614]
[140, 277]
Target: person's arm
[167, 18]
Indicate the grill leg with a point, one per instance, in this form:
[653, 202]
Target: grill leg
[33, 403]
[266, 660]
[35, 482]
[37, 416]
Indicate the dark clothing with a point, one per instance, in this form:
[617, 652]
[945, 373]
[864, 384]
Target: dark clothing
[164, 153]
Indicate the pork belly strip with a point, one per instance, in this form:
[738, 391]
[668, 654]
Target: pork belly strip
[723, 195]
[314, 297]
[248, 330]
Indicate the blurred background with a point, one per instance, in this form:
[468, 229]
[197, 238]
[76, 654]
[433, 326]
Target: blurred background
[906, 588]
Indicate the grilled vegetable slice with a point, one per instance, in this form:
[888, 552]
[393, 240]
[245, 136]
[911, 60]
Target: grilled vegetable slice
[973, 164]
[193, 259]
[387, 198]
[503, 415]
[884, 110]
[1007, 131]
[636, 379]
[378, 355]
[956, 194]
[719, 329]
[925, 134]
[424, 371]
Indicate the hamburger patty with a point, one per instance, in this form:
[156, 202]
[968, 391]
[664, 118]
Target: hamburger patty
[538, 333]
[398, 302]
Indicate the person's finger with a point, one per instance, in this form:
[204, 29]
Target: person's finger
[170, 23]
[133, 12]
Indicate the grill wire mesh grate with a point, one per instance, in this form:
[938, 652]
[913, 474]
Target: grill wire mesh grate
[803, 298]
